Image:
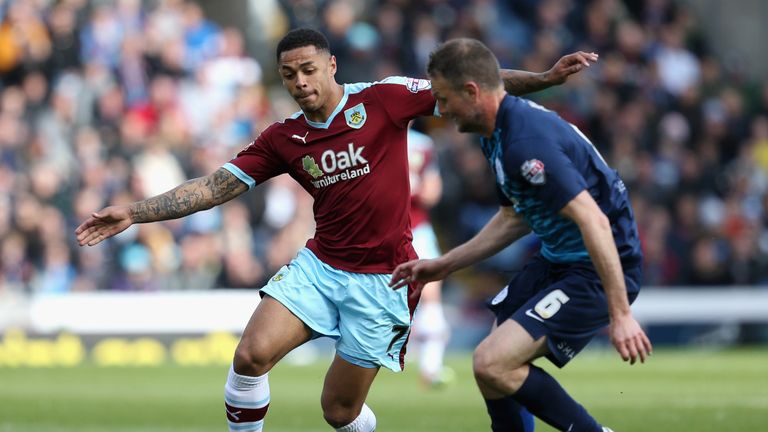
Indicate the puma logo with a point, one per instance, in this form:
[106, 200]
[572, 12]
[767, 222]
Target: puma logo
[301, 138]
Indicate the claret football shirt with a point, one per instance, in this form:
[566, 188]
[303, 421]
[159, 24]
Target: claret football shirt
[355, 166]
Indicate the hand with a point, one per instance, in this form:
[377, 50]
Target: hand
[629, 339]
[418, 272]
[103, 225]
[569, 65]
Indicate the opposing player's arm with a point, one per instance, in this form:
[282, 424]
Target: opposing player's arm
[505, 227]
[192, 196]
[517, 82]
[626, 334]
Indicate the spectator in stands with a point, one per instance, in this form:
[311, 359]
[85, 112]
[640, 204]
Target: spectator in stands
[83, 87]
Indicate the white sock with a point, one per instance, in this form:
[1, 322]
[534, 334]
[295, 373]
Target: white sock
[430, 321]
[246, 399]
[431, 357]
[432, 329]
[365, 422]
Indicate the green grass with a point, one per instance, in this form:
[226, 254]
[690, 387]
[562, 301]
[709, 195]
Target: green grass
[676, 391]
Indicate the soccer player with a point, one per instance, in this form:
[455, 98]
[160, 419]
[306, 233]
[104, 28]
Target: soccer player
[550, 179]
[347, 148]
[430, 328]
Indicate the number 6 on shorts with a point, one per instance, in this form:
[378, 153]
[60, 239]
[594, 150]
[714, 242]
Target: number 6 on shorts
[550, 304]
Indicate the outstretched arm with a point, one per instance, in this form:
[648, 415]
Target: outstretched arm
[518, 82]
[190, 197]
[505, 227]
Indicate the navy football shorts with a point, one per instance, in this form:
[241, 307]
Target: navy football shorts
[564, 302]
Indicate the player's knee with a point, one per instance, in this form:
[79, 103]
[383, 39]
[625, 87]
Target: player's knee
[485, 366]
[493, 371]
[253, 359]
[338, 415]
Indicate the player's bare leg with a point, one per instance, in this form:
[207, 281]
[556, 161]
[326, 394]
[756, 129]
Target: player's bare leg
[501, 360]
[344, 391]
[504, 375]
[272, 332]
[431, 333]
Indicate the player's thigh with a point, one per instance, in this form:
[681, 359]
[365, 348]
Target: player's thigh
[346, 386]
[271, 333]
[374, 322]
[509, 346]
[569, 312]
[310, 289]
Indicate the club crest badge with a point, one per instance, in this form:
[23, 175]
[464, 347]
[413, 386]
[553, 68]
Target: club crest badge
[533, 171]
[355, 116]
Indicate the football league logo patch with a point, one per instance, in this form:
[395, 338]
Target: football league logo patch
[355, 116]
[533, 171]
[415, 85]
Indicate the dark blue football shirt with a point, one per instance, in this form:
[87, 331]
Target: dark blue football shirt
[541, 163]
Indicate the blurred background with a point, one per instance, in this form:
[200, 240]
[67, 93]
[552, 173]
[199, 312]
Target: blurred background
[107, 102]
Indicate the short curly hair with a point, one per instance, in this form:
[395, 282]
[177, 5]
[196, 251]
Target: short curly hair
[302, 37]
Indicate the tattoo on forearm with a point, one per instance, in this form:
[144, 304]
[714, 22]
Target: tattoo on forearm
[192, 196]
[521, 82]
[224, 186]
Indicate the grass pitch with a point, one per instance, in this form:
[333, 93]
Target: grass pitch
[677, 391]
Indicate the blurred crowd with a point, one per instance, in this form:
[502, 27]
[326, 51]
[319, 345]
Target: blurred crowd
[107, 102]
